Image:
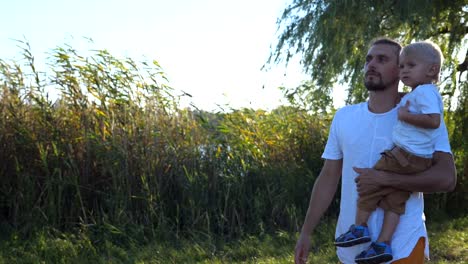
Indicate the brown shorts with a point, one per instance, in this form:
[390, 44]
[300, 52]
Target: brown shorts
[390, 199]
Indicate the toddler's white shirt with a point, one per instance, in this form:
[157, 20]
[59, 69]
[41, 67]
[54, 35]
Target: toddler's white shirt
[425, 99]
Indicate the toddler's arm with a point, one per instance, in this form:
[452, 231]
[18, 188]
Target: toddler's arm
[419, 120]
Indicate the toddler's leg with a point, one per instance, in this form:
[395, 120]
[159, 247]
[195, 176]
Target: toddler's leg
[362, 216]
[390, 223]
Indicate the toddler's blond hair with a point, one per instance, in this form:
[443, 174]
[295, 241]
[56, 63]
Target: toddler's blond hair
[427, 51]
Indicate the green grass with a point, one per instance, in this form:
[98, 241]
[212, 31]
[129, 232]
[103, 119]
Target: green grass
[448, 239]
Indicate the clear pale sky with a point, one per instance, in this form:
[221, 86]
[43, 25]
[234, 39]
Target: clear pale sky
[211, 49]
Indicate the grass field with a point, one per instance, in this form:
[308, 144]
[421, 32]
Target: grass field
[448, 238]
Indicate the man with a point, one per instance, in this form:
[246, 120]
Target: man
[359, 133]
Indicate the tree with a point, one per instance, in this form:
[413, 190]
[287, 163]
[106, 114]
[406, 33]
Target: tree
[332, 37]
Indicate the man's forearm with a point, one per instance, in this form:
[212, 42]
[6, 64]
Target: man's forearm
[322, 194]
[320, 200]
[441, 177]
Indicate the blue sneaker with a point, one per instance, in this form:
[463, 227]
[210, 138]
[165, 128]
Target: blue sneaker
[356, 235]
[377, 252]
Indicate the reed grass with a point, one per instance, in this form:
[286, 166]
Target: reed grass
[115, 150]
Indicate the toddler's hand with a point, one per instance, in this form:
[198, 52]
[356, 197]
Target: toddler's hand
[403, 111]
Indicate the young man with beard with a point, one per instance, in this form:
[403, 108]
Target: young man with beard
[358, 134]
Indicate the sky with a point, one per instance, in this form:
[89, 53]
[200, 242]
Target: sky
[213, 50]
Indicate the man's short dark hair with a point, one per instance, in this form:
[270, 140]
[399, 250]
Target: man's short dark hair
[388, 41]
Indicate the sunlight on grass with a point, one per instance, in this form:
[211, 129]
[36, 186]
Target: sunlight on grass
[277, 248]
[448, 246]
[449, 240]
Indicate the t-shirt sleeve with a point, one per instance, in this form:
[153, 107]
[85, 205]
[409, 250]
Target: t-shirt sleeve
[428, 100]
[333, 149]
[441, 141]
[431, 103]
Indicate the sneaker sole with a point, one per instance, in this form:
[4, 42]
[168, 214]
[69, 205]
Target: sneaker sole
[375, 259]
[353, 242]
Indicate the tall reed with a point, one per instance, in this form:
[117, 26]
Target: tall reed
[114, 149]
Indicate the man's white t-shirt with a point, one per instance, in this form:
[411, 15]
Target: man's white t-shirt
[358, 136]
[425, 99]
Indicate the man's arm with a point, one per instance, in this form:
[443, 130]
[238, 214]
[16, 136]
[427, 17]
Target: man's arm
[440, 177]
[322, 194]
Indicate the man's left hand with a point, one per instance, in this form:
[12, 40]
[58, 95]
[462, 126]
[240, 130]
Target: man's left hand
[368, 180]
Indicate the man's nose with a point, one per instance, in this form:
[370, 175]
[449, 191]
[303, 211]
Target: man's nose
[371, 64]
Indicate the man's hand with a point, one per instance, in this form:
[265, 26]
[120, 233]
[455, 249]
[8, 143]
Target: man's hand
[302, 249]
[368, 180]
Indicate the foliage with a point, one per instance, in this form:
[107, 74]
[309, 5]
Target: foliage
[332, 36]
[307, 96]
[115, 152]
[277, 156]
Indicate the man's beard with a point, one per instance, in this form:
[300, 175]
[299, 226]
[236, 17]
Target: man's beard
[371, 86]
[376, 85]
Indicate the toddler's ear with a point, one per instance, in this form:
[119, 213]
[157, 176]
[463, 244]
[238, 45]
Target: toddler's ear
[434, 70]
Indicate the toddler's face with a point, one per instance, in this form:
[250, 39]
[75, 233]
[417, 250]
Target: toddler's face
[414, 71]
